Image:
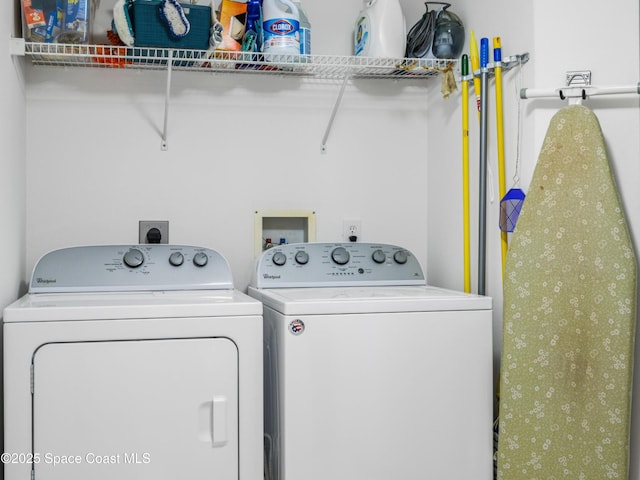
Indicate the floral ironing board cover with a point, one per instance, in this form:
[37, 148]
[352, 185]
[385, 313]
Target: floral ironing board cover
[569, 316]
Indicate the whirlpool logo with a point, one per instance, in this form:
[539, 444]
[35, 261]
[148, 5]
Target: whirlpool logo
[45, 281]
[267, 276]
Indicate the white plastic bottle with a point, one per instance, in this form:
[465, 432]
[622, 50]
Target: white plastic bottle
[280, 27]
[305, 29]
[380, 30]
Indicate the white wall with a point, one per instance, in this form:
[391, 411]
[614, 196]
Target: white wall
[237, 144]
[512, 22]
[12, 173]
[12, 166]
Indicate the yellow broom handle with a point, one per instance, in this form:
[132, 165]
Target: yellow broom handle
[465, 173]
[475, 67]
[502, 183]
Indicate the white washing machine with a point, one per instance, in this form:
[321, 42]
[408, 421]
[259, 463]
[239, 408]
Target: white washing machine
[370, 374]
[133, 362]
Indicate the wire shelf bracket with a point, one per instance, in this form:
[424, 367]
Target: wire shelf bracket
[325, 137]
[167, 97]
[343, 68]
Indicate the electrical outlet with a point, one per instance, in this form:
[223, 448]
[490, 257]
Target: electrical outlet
[352, 230]
[150, 231]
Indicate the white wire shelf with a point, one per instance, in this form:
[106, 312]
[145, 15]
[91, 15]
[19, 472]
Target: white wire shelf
[344, 68]
[149, 58]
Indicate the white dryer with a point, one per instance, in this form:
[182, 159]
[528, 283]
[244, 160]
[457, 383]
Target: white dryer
[370, 374]
[133, 362]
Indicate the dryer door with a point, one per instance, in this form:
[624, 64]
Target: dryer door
[151, 409]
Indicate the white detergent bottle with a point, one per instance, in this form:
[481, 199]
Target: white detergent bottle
[280, 27]
[305, 29]
[380, 30]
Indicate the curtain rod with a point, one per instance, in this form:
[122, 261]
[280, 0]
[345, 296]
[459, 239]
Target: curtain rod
[578, 92]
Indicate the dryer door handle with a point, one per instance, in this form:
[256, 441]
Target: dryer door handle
[219, 421]
[213, 421]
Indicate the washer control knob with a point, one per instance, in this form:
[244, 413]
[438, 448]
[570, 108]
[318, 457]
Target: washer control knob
[279, 259]
[340, 255]
[379, 256]
[401, 257]
[176, 259]
[200, 259]
[302, 257]
[133, 258]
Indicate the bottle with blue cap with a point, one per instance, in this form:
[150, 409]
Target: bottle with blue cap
[253, 33]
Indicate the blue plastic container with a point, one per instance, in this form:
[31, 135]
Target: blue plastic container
[151, 31]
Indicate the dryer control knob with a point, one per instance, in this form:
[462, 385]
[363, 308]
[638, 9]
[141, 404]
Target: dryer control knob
[176, 259]
[279, 259]
[302, 257]
[379, 256]
[401, 257]
[200, 259]
[340, 255]
[133, 258]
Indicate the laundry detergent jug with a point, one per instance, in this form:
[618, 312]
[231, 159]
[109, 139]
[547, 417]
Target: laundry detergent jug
[380, 30]
[280, 27]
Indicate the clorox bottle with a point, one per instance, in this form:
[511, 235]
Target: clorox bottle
[280, 27]
[380, 30]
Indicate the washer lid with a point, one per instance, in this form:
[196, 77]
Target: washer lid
[44, 307]
[123, 268]
[342, 300]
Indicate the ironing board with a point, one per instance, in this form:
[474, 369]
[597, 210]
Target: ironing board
[569, 316]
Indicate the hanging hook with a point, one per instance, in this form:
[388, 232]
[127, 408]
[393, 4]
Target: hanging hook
[446, 5]
[573, 94]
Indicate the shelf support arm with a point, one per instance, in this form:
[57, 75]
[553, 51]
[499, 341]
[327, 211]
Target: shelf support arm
[17, 47]
[323, 146]
[167, 97]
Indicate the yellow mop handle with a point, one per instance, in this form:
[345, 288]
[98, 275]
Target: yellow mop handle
[475, 67]
[497, 58]
[465, 173]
